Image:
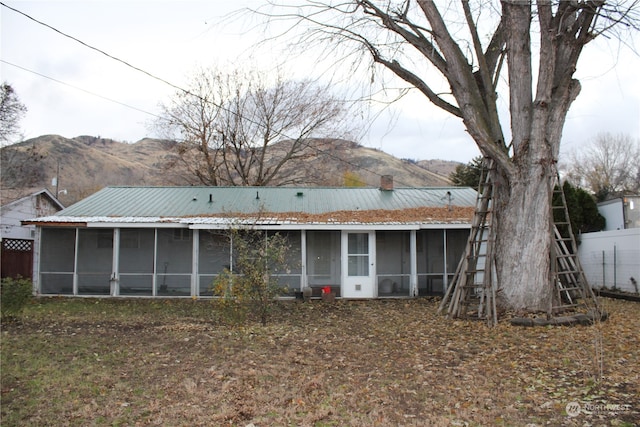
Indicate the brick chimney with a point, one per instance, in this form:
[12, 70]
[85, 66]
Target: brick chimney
[386, 183]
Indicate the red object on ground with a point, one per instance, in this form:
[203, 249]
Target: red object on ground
[326, 290]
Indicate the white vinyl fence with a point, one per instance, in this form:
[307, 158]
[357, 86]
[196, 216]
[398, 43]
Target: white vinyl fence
[611, 259]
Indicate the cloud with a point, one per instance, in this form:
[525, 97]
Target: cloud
[169, 39]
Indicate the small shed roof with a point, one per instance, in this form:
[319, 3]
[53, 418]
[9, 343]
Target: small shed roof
[198, 205]
[11, 197]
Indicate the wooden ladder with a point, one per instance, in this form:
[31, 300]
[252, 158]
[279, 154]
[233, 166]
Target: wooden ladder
[471, 293]
[571, 288]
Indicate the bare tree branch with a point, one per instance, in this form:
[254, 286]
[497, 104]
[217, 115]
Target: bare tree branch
[227, 126]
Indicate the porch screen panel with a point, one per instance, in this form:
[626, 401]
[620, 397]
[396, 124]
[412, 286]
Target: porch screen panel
[214, 257]
[57, 259]
[95, 261]
[393, 260]
[290, 274]
[430, 260]
[136, 261]
[323, 259]
[456, 244]
[173, 263]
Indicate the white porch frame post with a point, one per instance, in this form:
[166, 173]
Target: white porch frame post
[195, 283]
[154, 279]
[114, 281]
[445, 278]
[37, 250]
[303, 259]
[75, 263]
[231, 266]
[413, 264]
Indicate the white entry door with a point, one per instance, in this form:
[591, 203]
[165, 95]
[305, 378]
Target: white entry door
[358, 255]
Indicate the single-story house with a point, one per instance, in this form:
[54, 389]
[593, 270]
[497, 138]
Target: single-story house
[17, 242]
[174, 241]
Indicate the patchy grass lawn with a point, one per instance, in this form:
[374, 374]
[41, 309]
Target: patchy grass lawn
[82, 362]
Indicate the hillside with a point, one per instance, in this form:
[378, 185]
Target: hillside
[86, 164]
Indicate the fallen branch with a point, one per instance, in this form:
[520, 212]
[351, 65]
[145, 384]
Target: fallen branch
[577, 319]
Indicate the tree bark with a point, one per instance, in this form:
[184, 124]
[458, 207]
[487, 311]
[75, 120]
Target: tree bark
[521, 217]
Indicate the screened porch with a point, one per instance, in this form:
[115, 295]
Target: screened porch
[183, 262]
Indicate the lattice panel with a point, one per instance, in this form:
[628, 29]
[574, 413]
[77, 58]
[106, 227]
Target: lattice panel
[18, 245]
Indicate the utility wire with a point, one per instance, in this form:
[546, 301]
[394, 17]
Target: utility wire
[188, 92]
[96, 49]
[80, 89]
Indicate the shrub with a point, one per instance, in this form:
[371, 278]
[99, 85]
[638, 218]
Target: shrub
[15, 293]
[250, 288]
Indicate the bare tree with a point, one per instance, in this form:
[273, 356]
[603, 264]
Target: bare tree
[607, 167]
[241, 129]
[438, 48]
[11, 112]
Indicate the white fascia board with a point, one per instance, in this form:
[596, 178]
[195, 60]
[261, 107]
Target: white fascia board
[323, 226]
[136, 225]
[357, 227]
[447, 225]
[210, 226]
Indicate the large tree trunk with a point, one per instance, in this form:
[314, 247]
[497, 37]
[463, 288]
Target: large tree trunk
[523, 239]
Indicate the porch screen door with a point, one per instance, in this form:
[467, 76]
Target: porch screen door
[359, 265]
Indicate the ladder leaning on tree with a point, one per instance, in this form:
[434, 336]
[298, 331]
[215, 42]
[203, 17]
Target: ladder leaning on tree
[571, 288]
[472, 292]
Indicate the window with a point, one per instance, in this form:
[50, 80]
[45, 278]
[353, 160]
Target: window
[129, 239]
[358, 254]
[182, 234]
[104, 239]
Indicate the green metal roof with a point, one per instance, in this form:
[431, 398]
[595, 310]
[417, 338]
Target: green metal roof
[212, 201]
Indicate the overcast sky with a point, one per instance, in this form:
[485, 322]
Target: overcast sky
[71, 90]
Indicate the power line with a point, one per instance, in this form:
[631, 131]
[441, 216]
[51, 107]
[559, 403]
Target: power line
[185, 91]
[80, 89]
[96, 49]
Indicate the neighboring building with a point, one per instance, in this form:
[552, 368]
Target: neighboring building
[611, 258]
[172, 241]
[621, 213]
[18, 240]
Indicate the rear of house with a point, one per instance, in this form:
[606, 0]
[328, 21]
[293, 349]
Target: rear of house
[174, 241]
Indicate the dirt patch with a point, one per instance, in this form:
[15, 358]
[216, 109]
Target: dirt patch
[357, 363]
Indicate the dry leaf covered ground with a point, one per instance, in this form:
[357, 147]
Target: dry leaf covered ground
[82, 362]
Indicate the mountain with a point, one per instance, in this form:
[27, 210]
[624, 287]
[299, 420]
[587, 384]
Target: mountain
[85, 164]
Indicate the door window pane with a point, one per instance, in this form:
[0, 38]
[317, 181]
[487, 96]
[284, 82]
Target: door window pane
[358, 243]
[358, 254]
